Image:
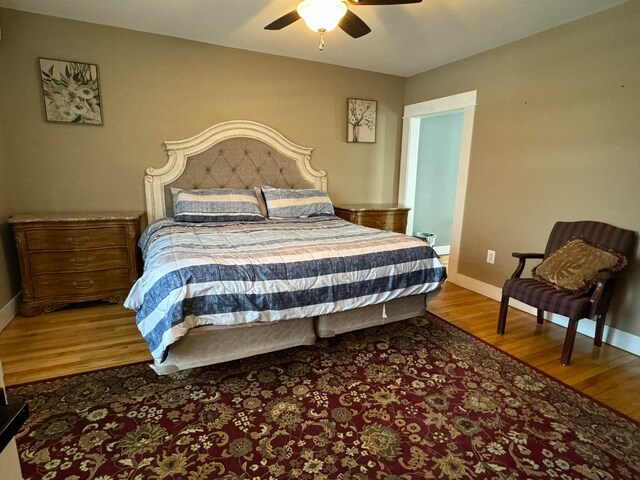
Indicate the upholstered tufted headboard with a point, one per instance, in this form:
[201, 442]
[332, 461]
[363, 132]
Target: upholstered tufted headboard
[237, 154]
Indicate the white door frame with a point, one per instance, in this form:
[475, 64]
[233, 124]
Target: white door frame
[465, 102]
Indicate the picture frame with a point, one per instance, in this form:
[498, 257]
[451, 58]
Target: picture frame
[71, 92]
[361, 120]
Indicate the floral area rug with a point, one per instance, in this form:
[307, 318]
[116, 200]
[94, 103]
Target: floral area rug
[418, 399]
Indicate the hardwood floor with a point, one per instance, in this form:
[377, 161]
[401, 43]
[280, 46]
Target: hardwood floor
[76, 339]
[86, 338]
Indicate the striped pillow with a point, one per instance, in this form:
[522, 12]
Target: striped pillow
[216, 205]
[289, 203]
[261, 204]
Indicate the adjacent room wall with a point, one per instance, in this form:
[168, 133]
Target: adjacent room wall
[157, 88]
[437, 174]
[556, 137]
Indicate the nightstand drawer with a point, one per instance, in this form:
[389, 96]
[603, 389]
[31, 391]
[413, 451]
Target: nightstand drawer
[381, 216]
[78, 261]
[60, 284]
[75, 238]
[383, 220]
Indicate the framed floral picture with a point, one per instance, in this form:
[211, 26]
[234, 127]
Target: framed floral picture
[361, 120]
[71, 92]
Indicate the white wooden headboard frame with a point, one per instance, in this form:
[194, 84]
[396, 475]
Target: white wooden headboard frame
[178, 153]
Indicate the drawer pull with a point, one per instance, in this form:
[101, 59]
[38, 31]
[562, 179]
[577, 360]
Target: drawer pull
[78, 240]
[83, 284]
[81, 262]
[381, 224]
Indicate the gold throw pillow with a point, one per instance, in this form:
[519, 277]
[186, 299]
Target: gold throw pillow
[575, 266]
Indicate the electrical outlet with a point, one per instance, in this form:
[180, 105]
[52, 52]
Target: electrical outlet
[491, 256]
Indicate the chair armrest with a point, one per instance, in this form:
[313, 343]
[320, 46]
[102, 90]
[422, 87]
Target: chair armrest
[522, 258]
[597, 294]
[528, 255]
[601, 295]
[597, 291]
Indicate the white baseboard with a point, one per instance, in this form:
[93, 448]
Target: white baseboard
[443, 249]
[9, 311]
[622, 340]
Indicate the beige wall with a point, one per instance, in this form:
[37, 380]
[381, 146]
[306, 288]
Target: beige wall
[556, 137]
[9, 276]
[157, 88]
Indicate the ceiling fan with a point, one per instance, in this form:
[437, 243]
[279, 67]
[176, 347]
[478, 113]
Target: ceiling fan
[324, 15]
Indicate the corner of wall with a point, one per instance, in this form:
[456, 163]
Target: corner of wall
[9, 311]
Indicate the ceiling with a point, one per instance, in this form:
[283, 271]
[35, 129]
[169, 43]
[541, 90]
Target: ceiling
[405, 40]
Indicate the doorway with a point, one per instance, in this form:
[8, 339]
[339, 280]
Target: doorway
[412, 192]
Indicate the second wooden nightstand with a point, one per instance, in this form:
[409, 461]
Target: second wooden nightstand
[383, 216]
[75, 257]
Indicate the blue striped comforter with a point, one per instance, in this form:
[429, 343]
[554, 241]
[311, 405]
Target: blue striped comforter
[233, 273]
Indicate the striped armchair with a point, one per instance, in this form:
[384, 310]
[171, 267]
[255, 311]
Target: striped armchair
[546, 298]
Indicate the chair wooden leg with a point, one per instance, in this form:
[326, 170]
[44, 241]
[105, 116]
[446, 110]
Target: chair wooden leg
[540, 318]
[569, 340]
[597, 339]
[502, 317]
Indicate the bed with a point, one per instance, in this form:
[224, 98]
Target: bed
[218, 291]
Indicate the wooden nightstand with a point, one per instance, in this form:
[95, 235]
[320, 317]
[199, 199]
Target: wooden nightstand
[383, 216]
[75, 257]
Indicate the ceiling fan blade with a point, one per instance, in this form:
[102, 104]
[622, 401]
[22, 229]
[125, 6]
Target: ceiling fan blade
[283, 21]
[353, 25]
[382, 2]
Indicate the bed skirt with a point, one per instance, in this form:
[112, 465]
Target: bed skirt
[208, 345]
[371, 316]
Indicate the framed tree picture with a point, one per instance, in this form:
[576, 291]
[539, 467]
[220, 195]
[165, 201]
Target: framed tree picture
[361, 120]
[71, 92]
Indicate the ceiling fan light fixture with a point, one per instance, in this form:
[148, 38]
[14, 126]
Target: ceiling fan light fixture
[322, 15]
